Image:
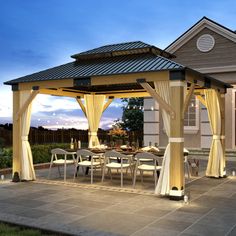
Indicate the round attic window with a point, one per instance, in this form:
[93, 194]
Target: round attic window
[205, 43]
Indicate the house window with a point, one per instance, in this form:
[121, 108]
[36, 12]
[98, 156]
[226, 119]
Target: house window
[191, 118]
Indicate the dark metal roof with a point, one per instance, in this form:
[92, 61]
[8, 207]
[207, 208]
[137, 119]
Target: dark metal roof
[102, 66]
[127, 48]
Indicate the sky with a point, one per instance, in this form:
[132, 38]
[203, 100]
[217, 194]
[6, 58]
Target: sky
[36, 35]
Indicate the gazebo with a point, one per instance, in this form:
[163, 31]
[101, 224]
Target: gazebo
[133, 69]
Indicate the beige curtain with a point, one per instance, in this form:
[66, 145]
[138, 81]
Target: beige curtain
[215, 166]
[163, 185]
[27, 167]
[94, 105]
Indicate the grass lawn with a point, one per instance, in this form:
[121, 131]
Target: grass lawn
[10, 230]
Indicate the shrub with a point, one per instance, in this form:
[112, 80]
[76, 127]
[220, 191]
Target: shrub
[41, 154]
[5, 157]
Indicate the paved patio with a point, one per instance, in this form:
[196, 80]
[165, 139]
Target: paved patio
[81, 209]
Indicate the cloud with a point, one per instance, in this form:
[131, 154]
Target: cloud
[46, 103]
[56, 112]
[5, 103]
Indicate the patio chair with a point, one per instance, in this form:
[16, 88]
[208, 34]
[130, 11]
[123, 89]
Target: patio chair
[143, 157]
[89, 163]
[124, 163]
[57, 152]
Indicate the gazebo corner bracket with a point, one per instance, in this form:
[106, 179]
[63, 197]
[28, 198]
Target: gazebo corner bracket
[26, 104]
[78, 99]
[157, 97]
[109, 101]
[188, 98]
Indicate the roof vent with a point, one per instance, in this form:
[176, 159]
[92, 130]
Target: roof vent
[205, 43]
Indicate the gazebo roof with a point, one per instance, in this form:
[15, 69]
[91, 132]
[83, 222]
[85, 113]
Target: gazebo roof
[116, 59]
[111, 68]
[136, 47]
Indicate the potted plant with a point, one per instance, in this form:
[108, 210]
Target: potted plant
[118, 135]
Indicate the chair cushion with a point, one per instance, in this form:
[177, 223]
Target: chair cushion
[62, 161]
[117, 165]
[144, 159]
[148, 167]
[88, 163]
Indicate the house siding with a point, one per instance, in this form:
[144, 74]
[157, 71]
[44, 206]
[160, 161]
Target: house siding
[223, 53]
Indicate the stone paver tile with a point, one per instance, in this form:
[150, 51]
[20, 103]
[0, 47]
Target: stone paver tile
[223, 213]
[186, 234]
[194, 208]
[82, 231]
[151, 231]
[219, 193]
[24, 202]
[58, 219]
[33, 213]
[124, 208]
[86, 203]
[80, 210]
[184, 216]
[232, 231]
[148, 211]
[118, 223]
[53, 198]
[155, 202]
[222, 221]
[38, 194]
[171, 224]
[205, 230]
[55, 207]
[13, 209]
[215, 202]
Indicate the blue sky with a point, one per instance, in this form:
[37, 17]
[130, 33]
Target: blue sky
[36, 35]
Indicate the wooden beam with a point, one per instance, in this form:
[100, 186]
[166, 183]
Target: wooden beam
[158, 98]
[60, 83]
[106, 105]
[128, 94]
[26, 104]
[188, 98]
[130, 78]
[81, 105]
[60, 92]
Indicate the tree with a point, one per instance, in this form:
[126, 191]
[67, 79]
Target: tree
[132, 118]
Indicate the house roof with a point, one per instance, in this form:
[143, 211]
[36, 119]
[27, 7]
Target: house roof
[196, 28]
[104, 65]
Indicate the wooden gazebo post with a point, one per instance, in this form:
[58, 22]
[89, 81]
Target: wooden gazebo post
[176, 135]
[222, 109]
[16, 161]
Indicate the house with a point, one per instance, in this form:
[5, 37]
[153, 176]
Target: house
[210, 48]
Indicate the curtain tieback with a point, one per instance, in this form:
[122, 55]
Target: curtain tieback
[216, 137]
[92, 133]
[222, 137]
[176, 140]
[24, 138]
